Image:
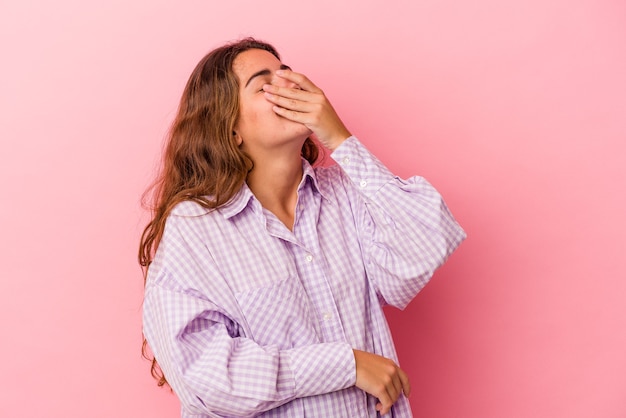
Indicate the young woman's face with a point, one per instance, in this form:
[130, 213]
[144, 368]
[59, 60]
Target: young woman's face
[259, 128]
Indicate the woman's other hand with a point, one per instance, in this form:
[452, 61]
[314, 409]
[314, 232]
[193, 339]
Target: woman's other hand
[382, 378]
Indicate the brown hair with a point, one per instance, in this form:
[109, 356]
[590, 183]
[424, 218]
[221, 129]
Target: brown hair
[202, 161]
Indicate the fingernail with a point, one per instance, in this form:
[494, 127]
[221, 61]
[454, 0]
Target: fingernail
[280, 72]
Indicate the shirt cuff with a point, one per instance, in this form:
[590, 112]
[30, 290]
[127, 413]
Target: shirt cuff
[322, 368]
[365, 171]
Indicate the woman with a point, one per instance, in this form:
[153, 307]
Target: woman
[266, 277]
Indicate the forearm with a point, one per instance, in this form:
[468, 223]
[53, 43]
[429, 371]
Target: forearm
[213, 372]
[404, 226]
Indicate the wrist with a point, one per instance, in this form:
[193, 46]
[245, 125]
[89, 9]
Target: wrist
[337, 140]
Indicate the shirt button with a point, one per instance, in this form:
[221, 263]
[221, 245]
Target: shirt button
[308, 258]
[345, 161]
[327, 316]
[363, 183]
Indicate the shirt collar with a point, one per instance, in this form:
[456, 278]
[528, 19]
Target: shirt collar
[238, 202]
[245, 197]
[308, 173]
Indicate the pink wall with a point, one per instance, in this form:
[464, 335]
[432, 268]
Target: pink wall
[515, 110]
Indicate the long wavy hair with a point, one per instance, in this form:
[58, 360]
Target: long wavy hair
[202, 161]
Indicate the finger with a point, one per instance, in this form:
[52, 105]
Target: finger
[292, 115]
[385, 407]
[396, 389]
[287, 103]
[385, 399]
[406, 384]
[300, 79]
[290, 92]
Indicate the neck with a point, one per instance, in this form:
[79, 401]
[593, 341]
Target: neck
[274, 181]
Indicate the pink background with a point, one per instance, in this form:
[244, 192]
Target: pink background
[515, 110]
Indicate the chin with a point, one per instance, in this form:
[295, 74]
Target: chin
[297, 130]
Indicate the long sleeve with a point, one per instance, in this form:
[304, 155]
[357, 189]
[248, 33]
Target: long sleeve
[202, 349]
[405, 228]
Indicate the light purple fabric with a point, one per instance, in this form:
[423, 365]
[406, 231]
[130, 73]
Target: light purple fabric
[248, 319]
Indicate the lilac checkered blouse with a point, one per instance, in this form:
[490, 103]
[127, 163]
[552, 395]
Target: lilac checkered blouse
[247, 318]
